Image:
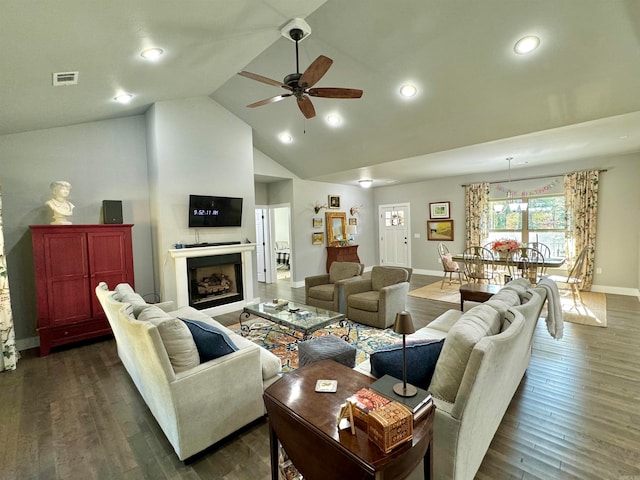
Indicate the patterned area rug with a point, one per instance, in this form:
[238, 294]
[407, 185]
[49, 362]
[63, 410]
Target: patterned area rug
[366, 339]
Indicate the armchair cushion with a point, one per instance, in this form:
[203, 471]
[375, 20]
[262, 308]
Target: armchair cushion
[210, 341]
[368, 301]
[322, 292]
[383, 277]
[343, 270]
[422, 356]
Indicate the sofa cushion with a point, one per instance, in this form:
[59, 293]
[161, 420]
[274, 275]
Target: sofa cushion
[271, 365]
[210, 341]
[477, 323]
[503, 300]
[422, 356]
[176, 338]
[152, 312]
[137, 302]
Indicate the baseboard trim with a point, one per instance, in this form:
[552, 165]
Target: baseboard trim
[27, 343]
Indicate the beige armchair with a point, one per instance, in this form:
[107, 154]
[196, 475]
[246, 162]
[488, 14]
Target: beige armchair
[375, 300]
[326, 290]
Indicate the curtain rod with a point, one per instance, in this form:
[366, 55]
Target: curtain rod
[530, 178]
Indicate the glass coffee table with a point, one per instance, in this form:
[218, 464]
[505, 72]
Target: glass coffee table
[291, 318]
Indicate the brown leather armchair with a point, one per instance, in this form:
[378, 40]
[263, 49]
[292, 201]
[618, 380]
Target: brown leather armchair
[327, 290]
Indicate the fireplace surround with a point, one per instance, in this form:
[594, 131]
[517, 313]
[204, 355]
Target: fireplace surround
[215, 279]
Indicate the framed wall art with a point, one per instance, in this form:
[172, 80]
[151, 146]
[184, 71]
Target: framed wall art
[439, 210]
[317, 222]
[334, 201]
[440, 230]
[317, 238]
[353, 221]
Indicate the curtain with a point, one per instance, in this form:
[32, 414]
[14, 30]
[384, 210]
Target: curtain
[581, 202]
[10, 355]
[476, 206]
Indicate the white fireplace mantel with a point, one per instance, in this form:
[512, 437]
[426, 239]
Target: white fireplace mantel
[180, 256]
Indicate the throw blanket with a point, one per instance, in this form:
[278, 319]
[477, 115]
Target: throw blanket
[282, 258]
[555, 323]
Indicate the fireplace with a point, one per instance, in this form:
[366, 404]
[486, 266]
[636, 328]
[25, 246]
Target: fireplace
[214, 280]
[180, 291]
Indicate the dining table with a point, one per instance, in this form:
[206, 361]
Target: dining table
[550, 262]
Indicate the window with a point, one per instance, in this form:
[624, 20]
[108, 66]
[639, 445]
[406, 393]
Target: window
[543, 221]
[394, 218]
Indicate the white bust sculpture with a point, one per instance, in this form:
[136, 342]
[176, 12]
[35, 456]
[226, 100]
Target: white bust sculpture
[61, 208]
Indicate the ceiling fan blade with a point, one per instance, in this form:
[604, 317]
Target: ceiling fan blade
[335, 92]
[315, 71]
[267, 101]
[260, 78]
[306, 107]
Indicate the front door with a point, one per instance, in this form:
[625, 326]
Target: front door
[394, 231]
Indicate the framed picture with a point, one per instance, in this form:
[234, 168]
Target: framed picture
[334, 201]
[353, 221]
[440, 230]
[317, 223]
[439, 210]
[317, 238]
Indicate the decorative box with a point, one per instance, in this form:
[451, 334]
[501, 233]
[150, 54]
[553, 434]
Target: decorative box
[390, 426]
[365, 401]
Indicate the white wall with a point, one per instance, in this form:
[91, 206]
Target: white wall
[102, 161]
[196, 146]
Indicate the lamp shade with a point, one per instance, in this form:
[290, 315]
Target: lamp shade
[352, 229]
[404, 323]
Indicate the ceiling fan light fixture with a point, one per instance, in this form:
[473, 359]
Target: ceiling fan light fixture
[285, 137]
[334, 119]
[151, 53]
[408, 90]
[365, 183]
[123, 98]
[526, 44]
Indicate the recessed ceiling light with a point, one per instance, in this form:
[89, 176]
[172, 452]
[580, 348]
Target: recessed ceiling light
[123, 97]
[408, 90]
[285, 138]
[151, 53]
[526, 44]
[334, 119]
[365, 183]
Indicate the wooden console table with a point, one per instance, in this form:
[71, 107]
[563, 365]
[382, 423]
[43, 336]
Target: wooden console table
[348, 253]
[477, 292]
[305, 423]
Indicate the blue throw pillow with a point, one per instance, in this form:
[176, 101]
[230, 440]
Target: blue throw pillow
[210, 341]
[422, 356]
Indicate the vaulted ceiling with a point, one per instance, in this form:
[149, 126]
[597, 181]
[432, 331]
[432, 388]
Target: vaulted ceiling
[478, 102]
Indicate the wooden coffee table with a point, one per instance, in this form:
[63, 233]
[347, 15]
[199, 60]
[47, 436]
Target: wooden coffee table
[477, 292]
[305, 423]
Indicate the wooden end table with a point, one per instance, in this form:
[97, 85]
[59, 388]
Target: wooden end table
[305, 423]
[477, 292]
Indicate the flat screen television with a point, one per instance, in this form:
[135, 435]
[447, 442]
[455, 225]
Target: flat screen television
[210, 211]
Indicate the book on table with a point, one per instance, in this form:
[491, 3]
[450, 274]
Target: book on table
[384, 386]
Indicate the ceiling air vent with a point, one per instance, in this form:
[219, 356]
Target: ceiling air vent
[65, 78]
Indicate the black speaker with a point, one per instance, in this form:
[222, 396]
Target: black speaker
[112, 211]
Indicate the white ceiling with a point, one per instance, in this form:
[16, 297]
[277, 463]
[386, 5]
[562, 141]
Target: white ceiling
[478, 103]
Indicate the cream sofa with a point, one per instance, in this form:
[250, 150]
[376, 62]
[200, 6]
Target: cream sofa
[196, 404]
[484, 357]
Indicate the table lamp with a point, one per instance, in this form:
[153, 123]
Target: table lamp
[351, 231]
[404, 326]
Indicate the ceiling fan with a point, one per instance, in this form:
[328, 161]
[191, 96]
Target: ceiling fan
[300, 84]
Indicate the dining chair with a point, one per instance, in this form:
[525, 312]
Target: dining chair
[527, 262]
[479, 264]
[541, 247]
[448, 265]
[575, 277]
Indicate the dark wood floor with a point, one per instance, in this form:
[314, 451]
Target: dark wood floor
[76, 415]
